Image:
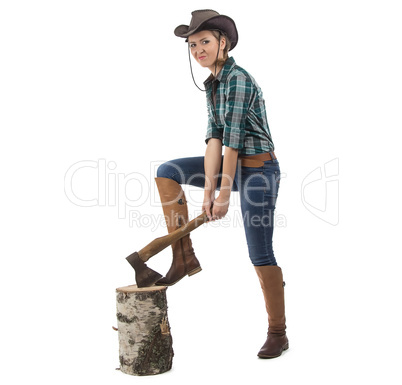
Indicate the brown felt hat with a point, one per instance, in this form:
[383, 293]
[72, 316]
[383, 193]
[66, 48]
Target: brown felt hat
[207, 19]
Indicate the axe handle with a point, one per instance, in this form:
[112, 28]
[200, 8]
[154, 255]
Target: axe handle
[161, 243]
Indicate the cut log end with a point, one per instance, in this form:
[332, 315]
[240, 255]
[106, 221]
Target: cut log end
[135, 289]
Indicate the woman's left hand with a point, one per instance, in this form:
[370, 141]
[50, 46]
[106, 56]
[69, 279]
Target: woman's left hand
[220, 207]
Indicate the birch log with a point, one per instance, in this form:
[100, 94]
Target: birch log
[145, 342]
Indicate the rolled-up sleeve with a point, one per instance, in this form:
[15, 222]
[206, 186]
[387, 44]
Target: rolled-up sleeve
[236, 109]
[213, 130]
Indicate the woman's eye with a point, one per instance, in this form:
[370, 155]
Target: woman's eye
[205, 42]
[192, 45]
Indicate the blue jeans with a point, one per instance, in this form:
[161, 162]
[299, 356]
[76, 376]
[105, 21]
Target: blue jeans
[258, 188]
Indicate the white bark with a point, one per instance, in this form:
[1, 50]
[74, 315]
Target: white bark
[145, 343]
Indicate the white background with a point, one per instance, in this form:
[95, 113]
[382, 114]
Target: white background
[107, 81]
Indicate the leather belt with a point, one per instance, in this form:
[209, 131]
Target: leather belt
[256, 160]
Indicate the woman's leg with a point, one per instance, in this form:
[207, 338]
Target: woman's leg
[258, 192]
[170, 176]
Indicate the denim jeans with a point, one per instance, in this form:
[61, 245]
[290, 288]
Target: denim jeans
[258, 188]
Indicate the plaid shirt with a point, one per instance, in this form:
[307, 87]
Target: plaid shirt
[239, 118]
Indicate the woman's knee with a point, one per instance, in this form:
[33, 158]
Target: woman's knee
[164, 171]
[183, 171]
[170, 170]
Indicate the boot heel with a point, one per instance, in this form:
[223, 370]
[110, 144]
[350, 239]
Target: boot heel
[195, 271]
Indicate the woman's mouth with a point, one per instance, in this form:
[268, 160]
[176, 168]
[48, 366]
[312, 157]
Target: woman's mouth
[201, 57]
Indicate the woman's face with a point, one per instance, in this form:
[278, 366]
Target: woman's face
[204, 48]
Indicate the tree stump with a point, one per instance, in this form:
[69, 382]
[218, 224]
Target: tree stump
[145, 342]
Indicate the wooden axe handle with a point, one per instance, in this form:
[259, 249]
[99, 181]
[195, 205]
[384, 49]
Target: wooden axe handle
[158, 244]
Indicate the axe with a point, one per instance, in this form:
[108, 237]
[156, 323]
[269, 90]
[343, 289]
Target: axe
[144, 275]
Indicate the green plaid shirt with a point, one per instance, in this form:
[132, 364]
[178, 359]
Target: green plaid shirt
[239, 118]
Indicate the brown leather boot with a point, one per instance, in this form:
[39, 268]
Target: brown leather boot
[272, 286]
[174, 206]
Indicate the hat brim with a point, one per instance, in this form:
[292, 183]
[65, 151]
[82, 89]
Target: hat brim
[220, 22]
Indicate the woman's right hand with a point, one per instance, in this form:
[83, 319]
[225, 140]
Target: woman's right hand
[207, 204]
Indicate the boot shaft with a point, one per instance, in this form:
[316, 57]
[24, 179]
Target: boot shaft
[174, 203]
[175, 210]
[272, 285]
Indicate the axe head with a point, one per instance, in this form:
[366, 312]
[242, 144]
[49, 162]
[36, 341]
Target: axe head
[144, 276]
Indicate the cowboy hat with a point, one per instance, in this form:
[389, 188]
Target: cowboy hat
[207, 19]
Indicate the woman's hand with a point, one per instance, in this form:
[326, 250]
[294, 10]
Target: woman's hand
[221, 206]
[206, 205]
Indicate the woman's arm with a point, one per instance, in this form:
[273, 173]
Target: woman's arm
[212, 165]
[221, 204]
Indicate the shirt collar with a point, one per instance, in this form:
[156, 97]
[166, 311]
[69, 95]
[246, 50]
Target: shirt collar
[223, 73]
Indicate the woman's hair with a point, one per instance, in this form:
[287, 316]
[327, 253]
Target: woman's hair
[227, 46]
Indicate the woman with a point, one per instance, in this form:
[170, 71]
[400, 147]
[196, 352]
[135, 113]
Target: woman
[237, 120]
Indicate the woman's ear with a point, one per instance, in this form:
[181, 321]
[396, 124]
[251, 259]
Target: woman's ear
[223, 42]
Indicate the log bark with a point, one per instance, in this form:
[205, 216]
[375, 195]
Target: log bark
[145, 342]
